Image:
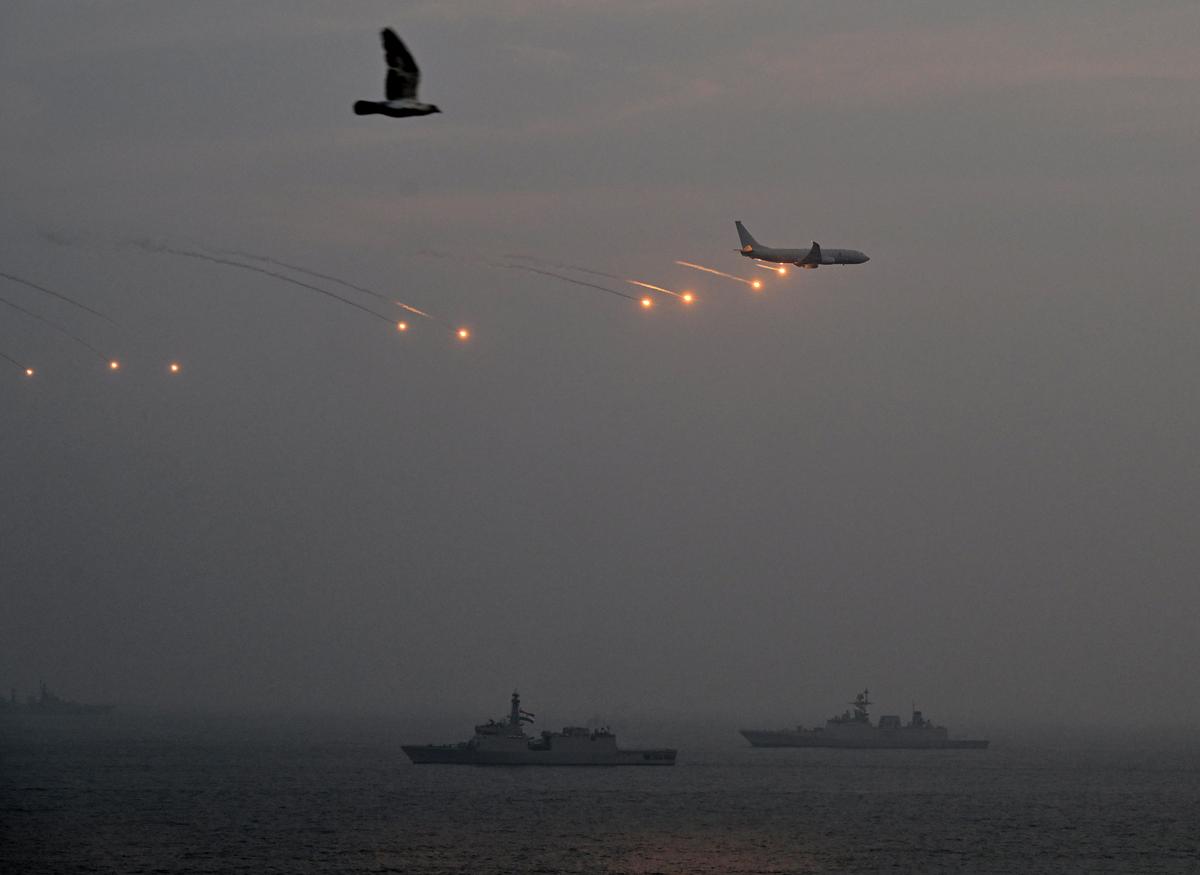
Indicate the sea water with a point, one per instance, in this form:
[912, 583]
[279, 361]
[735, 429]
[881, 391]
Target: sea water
[230, 795]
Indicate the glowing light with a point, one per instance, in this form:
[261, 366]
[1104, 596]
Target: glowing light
[114, 365]
[757, 284]
[647, 303]
[727, 276]
[29, 372]
[402, 326]
[782, 271]
[174, 367]
[688, 297]
[464, 334]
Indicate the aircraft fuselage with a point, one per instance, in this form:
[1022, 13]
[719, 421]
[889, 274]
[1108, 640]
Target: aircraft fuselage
[810, 258]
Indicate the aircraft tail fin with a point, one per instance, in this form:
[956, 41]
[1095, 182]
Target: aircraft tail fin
[748, 242]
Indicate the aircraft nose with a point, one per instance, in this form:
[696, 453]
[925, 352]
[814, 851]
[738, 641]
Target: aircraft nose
[865, 258]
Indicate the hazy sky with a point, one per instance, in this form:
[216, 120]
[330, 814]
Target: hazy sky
[964, 474]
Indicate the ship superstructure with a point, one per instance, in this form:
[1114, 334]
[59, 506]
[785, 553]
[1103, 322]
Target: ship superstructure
[505, 742]
[854, 729]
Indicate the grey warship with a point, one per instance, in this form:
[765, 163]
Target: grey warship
[856, 731]
[46, 704]
[505, 743]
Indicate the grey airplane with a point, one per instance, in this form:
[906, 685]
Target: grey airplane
[810, 259]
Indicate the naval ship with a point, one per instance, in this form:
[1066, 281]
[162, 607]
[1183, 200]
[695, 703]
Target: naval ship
[505, 743]
[48, 704]
[855, 730]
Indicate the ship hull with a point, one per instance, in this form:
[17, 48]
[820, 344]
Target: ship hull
[462, 755]
[882, 741]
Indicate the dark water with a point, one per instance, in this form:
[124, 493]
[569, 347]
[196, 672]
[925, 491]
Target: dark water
[122, 795]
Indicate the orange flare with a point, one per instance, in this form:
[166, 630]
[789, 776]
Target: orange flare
[464, 334]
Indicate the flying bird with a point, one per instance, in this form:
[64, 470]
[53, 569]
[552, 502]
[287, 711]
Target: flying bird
[400, 87]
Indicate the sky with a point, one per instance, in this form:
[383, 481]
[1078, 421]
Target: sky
[963, 475]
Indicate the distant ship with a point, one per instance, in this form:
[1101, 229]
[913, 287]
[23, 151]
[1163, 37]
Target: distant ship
[46, 703]
[504, 743]
[855, 730]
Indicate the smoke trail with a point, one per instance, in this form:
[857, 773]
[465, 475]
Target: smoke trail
[612, 276]
[54, 294]
[568, 279]
[564, 266]
[323, 276]
[55, 326]
[780, 269]
[717, 272]
[25, 369]
[187, 253]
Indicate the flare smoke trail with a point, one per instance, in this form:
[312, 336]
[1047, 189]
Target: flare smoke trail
[25, 369]
[187, 253]
[569, 280]
[53, 325]
[560, 264]
[781, 270]
[433, 253]
[611, 276]
[324, 276]
[54, 294]
[717, 272]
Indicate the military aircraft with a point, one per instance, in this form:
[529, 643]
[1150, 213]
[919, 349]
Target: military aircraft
[810, 259]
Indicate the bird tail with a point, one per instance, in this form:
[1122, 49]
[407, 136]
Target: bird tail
[365, 107]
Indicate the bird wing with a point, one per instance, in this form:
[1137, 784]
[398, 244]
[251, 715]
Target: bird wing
[403, 75]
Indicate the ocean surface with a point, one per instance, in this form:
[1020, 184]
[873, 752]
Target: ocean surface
[175, 795]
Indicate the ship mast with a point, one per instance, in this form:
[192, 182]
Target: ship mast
[860, 703]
